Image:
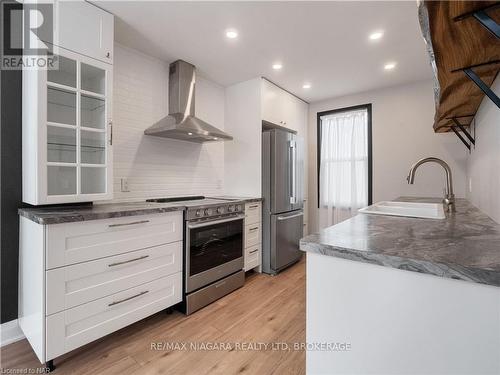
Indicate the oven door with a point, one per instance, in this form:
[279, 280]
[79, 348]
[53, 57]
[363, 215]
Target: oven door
[214, 249]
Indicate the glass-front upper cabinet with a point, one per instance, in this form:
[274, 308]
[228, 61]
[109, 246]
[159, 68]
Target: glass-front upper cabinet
[73, 131]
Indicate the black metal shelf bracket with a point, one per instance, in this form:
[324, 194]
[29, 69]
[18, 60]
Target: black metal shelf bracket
[482, 86]
[462, 128]
[483, 18]
[488, 22]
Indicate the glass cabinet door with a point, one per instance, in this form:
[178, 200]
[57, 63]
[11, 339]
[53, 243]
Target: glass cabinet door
[76, 128]
[62, 130]
[93, 129]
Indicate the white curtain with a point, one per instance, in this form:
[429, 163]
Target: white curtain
[344, 166]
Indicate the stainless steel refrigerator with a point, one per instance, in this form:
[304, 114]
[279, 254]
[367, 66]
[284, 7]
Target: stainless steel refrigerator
[282, 189]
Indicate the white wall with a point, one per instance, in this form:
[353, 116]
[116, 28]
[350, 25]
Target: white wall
[157, 167]
[483, 164]
[402, 133]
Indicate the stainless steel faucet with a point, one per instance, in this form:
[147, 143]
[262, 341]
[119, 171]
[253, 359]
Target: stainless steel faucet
[449, 198]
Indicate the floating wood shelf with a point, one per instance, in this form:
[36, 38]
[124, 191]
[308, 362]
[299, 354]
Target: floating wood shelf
[459, 43]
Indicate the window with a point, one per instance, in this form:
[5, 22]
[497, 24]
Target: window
[344, 162]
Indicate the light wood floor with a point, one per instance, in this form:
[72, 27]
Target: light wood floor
[267, 309]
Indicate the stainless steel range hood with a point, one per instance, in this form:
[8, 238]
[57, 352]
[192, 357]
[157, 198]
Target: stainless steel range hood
[181, 122]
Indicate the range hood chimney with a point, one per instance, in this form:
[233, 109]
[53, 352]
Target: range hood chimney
[181, 122]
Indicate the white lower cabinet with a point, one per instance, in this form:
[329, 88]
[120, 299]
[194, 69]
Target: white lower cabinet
[80, 242]
[253, 235]
[252, 257]
[70, 329]
[81, 281]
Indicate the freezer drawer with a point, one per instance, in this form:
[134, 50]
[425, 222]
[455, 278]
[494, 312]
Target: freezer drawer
[286, 231]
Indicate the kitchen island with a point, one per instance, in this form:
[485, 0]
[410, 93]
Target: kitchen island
[425, 289]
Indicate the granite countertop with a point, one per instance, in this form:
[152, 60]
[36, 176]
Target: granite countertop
[464, 246]
[67, 214]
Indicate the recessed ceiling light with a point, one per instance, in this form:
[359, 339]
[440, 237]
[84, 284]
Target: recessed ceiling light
[306, 86]
[190, 133]
[277, 66]
[376, 35]
[215, 138]
[231, 33]
[390, 66]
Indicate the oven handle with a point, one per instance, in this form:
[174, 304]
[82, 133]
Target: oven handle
[208, 223]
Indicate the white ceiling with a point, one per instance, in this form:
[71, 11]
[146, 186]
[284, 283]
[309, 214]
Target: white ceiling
[324, 43]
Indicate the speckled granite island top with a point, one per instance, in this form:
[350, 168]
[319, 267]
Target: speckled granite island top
[68, 214]
[464, 246]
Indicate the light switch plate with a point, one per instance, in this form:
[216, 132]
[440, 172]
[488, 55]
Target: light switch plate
[124, 185]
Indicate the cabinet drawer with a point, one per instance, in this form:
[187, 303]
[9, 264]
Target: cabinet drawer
[253, 213]
[252, 257]
[72, 243]
[252, 234]
[70, 329]
[74, 285]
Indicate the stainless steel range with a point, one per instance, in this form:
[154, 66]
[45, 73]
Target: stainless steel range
[213, 249]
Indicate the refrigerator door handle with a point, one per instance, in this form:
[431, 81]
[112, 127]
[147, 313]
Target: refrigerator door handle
[293, 147]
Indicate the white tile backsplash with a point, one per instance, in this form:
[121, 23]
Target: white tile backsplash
[158, 167]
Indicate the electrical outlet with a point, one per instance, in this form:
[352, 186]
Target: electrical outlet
[124, 185]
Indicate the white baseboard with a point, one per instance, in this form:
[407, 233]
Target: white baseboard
[10, 332]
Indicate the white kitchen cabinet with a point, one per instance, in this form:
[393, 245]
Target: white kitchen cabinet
[67, 131]
[72, 328]
[282, 108]
[88, 297]
[80, 283]
[274, 104]
[248, 105]
[83, 241]
[253, 235]
[84, 28]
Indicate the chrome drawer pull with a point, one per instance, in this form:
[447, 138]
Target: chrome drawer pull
[132, 223]
[253, 251]
[129, 298]
[252, 229]
[128, 261]
[254, 206]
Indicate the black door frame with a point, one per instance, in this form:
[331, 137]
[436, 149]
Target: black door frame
[368, 108]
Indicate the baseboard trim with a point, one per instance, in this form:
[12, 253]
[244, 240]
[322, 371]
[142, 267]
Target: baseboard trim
[10, 332]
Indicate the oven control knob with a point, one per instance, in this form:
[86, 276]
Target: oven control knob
[199, 213]
[238, 207]
[208, 211]
[230, 208]
[220, 210]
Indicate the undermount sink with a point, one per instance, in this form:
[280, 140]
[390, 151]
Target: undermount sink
[406, 209]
